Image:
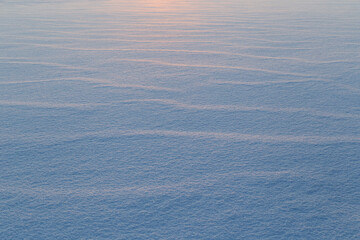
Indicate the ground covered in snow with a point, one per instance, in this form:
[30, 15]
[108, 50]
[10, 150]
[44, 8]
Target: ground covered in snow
[194, 119]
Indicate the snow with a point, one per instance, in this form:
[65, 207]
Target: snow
[196, 119]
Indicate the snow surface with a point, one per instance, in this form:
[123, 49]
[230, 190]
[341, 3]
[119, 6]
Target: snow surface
[180, 119]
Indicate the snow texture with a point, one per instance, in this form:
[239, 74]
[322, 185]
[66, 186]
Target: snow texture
[180, 119]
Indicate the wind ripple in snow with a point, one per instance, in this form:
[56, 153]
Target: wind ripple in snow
[244, 108]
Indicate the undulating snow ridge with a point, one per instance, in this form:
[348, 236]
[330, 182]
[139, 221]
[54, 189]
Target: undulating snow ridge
[181, 119]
